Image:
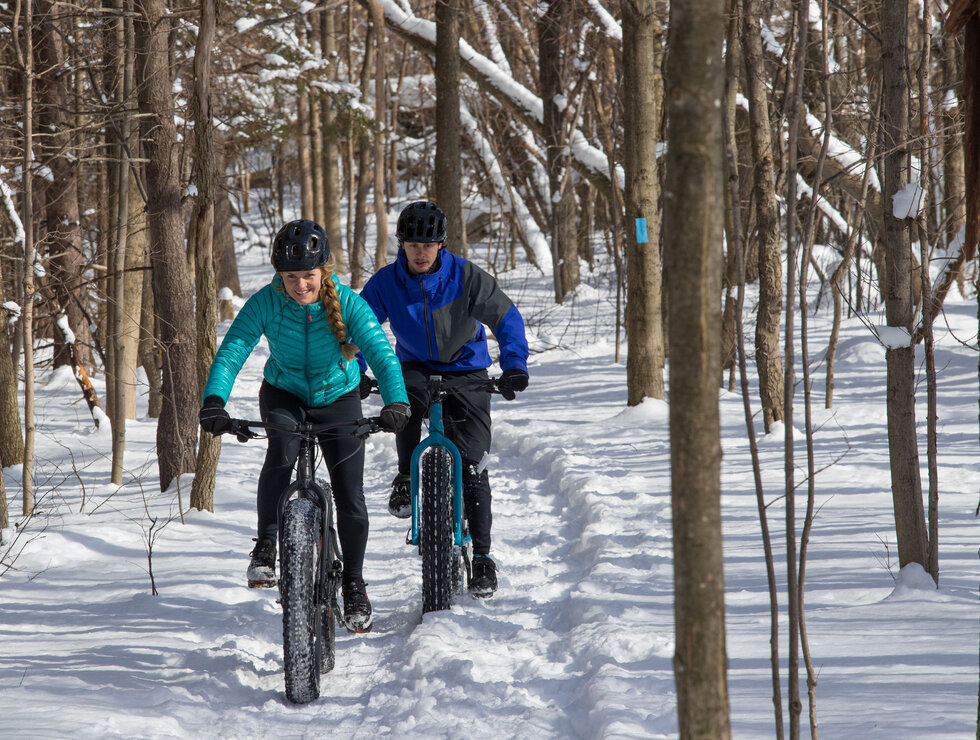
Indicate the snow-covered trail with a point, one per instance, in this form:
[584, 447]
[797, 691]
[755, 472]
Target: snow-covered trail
[203, 658]
[578, 642]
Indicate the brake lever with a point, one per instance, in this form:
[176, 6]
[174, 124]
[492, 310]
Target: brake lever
[241, 431]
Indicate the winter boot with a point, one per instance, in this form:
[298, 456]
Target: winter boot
[357, 606]
[483, 578]
[262, 569]
[400, 501]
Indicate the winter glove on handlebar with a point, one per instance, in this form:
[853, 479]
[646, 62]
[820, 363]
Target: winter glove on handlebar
[511, 383]
[365, 386]
[394, 417]
[213, 417]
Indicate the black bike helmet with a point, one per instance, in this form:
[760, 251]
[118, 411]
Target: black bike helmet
[299, 246]
[421, 222]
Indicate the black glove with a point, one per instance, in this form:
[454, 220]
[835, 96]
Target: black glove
[394, 416]
[366, 385]
[511, 383]
[213, 417]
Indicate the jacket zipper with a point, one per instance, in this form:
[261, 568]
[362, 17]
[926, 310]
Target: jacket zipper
[425, 310]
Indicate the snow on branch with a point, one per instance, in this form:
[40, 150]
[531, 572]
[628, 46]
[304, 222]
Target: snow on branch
[530, 234]
[421, 33]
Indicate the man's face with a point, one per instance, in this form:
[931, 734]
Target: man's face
[421, 256]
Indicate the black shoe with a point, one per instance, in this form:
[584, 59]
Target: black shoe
[262, 569]
[483, 578]
[357, 606]
[400, 501]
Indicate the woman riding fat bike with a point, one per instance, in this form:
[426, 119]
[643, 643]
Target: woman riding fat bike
[314, 326]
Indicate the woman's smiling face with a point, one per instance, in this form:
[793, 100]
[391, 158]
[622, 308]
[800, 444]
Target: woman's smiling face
[303, 287]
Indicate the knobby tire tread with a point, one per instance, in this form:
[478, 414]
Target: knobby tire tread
[298, 578]
[439, 577]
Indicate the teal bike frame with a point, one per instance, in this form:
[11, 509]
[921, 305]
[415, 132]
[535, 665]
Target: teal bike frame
[437, 438]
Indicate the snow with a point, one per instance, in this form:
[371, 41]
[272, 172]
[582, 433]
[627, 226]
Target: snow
[579, 640]
[908, 202]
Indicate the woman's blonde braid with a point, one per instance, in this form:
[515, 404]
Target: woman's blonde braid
[331, 304]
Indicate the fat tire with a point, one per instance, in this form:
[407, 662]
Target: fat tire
[440, 579]
[297, 589]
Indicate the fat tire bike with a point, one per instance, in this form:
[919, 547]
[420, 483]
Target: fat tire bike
[439, 527]
[310, 565]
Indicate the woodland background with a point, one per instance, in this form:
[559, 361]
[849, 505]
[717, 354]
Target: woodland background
[136, 132]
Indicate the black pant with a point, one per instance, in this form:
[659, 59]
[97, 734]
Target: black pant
[466, 418]
[343, 454]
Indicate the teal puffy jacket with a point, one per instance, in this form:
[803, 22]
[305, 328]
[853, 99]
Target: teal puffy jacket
[304, 354]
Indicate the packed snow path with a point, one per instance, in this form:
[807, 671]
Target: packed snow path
[578, 641]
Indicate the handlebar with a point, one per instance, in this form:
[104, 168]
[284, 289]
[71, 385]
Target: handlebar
[244, 429]
[489, 385]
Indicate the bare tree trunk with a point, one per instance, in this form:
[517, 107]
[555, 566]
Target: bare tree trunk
[4, 514]
[26, 59]
[693, 231]
[63, 235]
[733, 200]
[448, 164]
[737, 255]
[642, 100]
[116, 260]
[177, 426]
[11, 441]
[808, 241]
[223, 249]
[902, 444]
[554, 25]
[331, 148]
[316, 153]
[954, 179]
[794, 115]
[303, 139]
[206, 178]
[928, 236]
[135, 266]
[769, 249]
[616, 204]
[364, 174]
[380, 104]
[149, 348]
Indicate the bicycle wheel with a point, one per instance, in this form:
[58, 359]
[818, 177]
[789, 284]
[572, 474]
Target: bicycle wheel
[297, 584]
[436, 530]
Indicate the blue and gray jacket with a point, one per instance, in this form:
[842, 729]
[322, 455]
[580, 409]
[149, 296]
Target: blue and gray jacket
[437, 318]
[304, 355]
